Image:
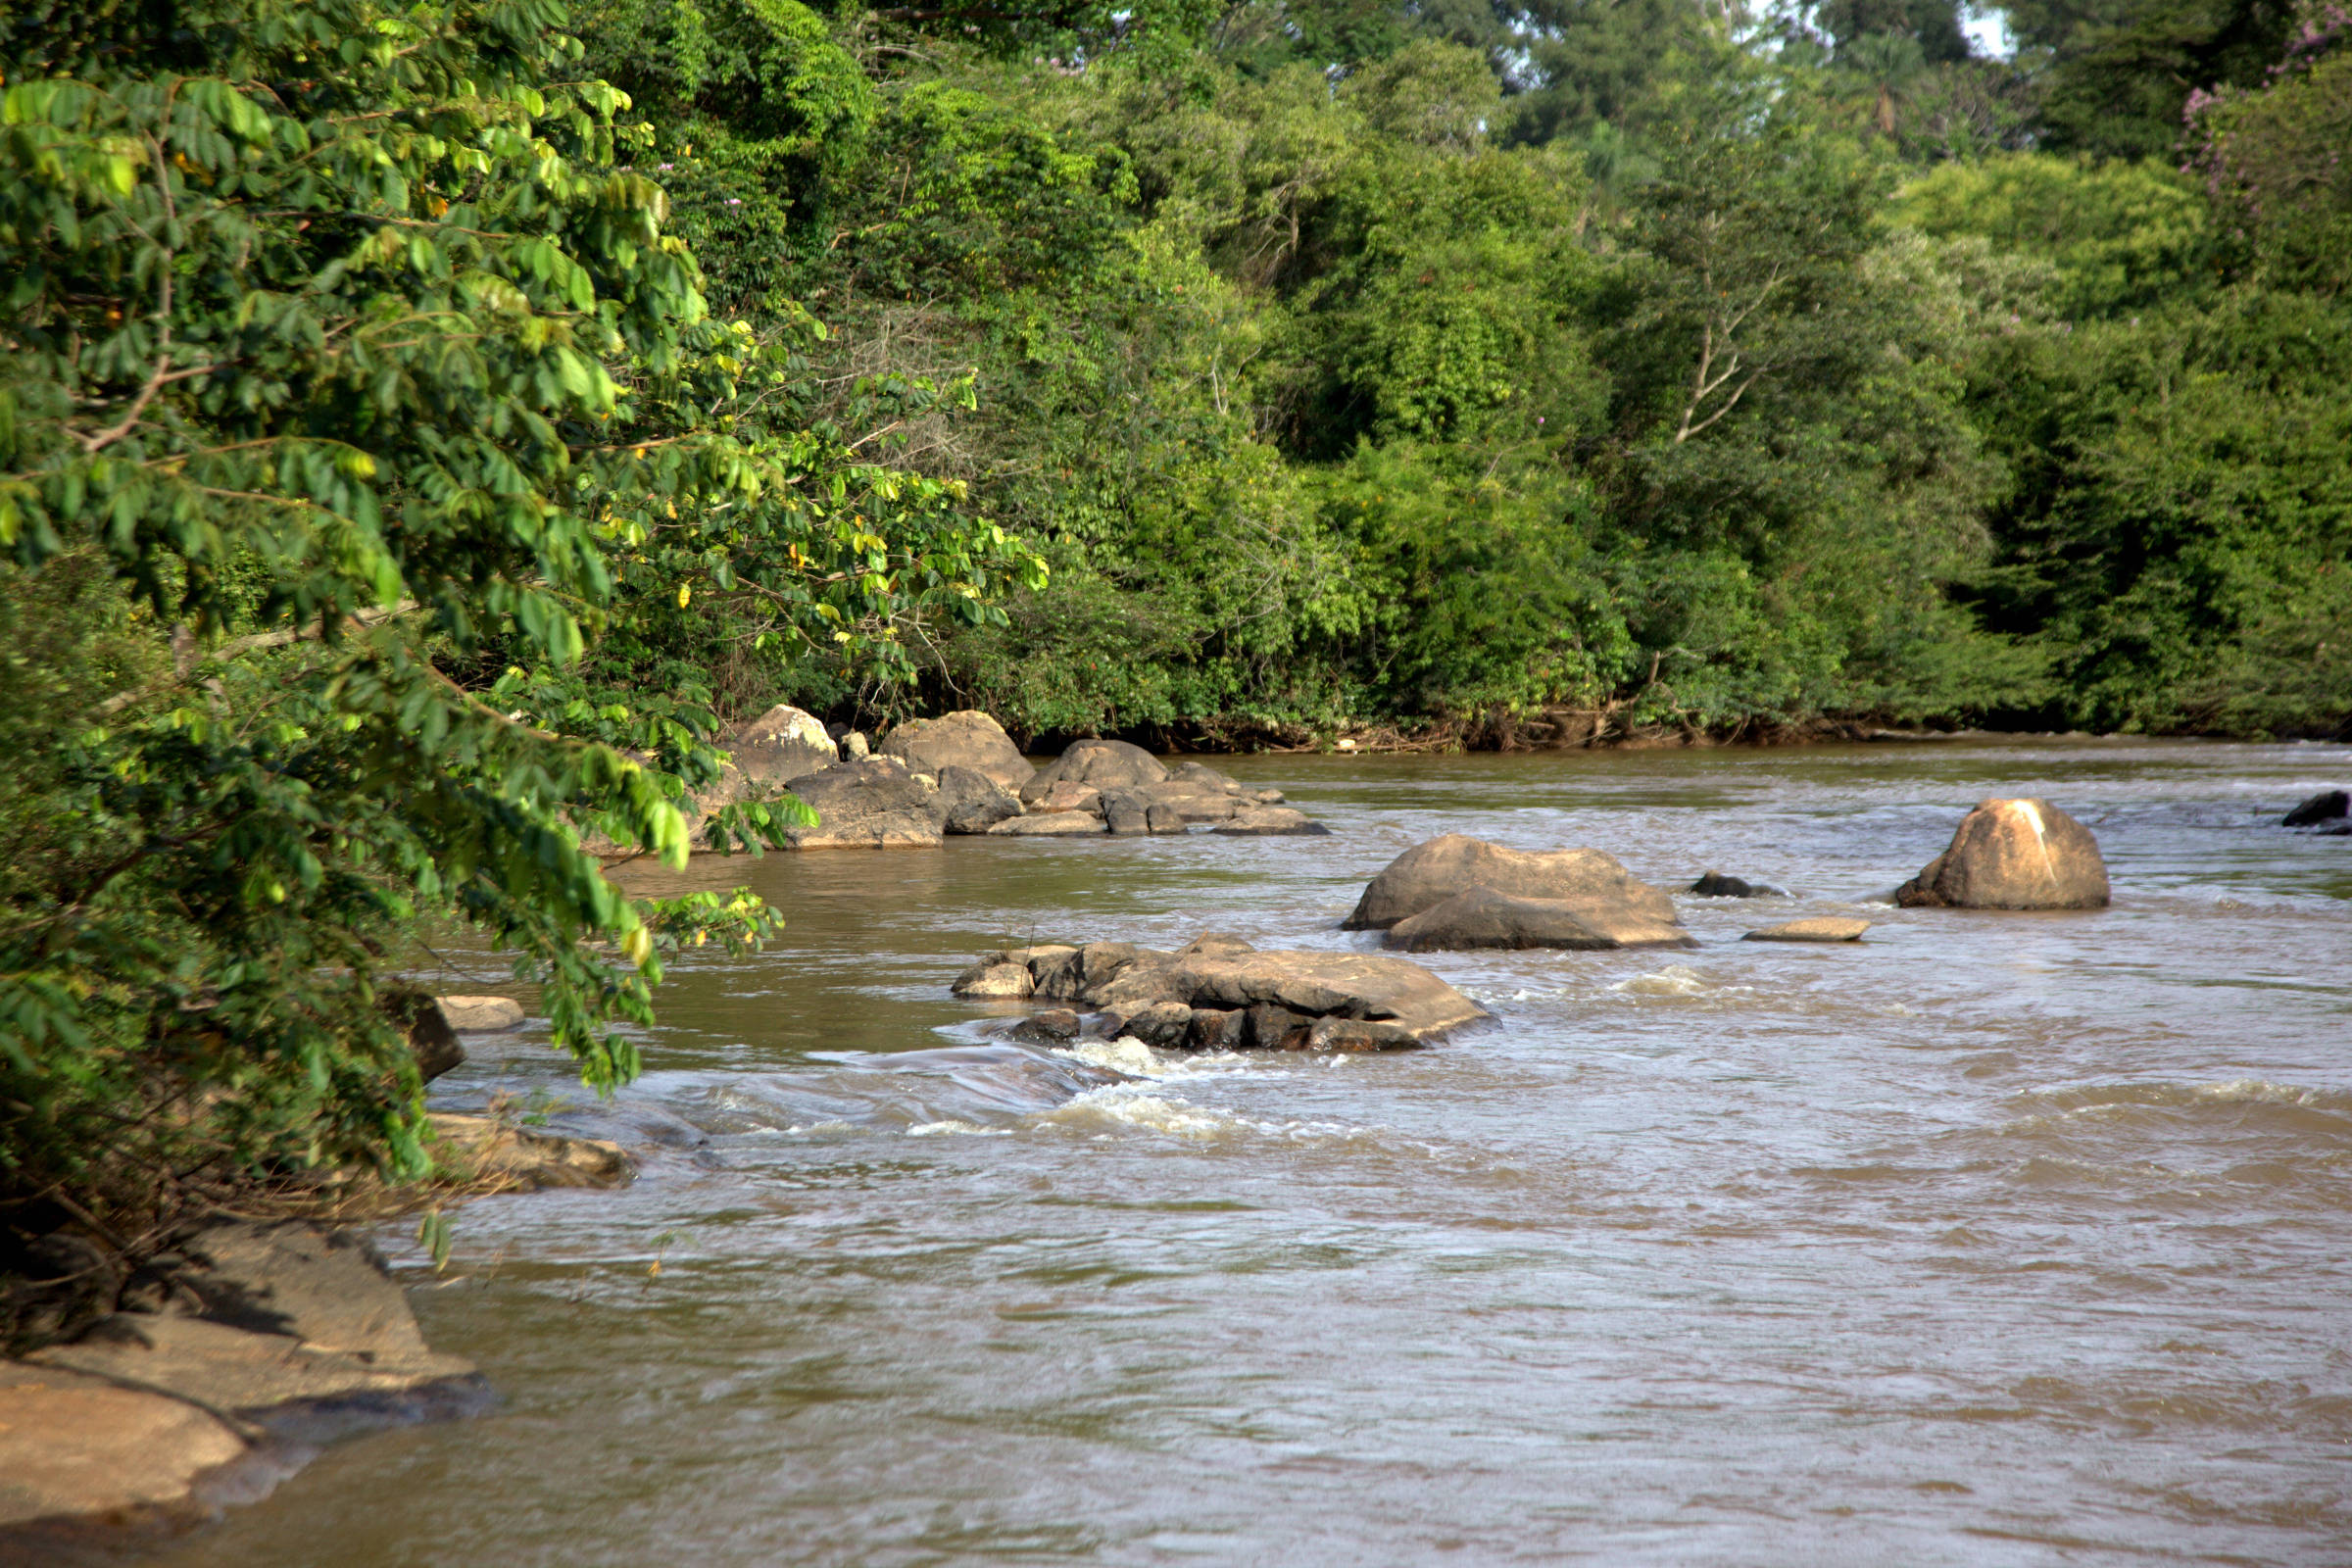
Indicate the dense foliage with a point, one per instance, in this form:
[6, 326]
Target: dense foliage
[365, 442]
[1578, 367]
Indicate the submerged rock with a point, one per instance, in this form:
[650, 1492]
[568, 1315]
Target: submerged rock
[1428, 874]
[1481, 917]
[967, 738]
[1715, 885]
[873, 804]
[1827, 928]
[2328, 806]
[971, 802]
[2013, 855]
[1271, 821]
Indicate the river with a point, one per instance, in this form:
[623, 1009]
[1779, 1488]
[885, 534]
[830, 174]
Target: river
[1996, 1239]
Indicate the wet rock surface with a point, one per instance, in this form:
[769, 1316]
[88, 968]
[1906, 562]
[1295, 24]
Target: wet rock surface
[2021, 854]
[482, 1015]
[1428, 874]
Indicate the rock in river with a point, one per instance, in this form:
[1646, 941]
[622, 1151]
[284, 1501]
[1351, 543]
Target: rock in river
[2013, 855]
[967, 738]
[1715, 885]
[1271, 821]
[972, 802]
[1219, 993]
[1105, 765]
[1049, 824]
[1481, 917]
[2329, 806]
[1428, 874]
[1824, 929]
[481, 1015]
[874, 804]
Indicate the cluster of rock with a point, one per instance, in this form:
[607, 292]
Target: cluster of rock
[1218, 993]
[962, 775]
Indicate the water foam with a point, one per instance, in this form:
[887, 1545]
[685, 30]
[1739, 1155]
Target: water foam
[1677, 980]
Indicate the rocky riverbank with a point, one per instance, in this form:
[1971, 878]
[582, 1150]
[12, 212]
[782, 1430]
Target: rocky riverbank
[203, 1370]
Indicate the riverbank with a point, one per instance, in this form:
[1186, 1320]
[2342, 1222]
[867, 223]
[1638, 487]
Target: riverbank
[224, 1358]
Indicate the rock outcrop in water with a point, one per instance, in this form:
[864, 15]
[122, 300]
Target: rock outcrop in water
[966, 738]
[2323, 811]
[1218, 993]
[783, 744]
[269, 1339]
[1461, 891]
[892, 800]
[2019, 853]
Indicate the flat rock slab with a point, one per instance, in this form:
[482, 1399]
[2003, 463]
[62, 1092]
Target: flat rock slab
[1482, 917]
[481, 1015]
[1051, 824]
[1271, 821]
[2021, 854]
[1826, 929]
[78, 1450]
[1428, 874]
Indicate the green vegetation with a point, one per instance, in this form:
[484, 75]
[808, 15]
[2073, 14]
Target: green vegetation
[425, 428]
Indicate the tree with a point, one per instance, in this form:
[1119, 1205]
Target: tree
[359, 426]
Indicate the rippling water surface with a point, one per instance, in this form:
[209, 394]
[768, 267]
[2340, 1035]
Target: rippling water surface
[1996, 1239]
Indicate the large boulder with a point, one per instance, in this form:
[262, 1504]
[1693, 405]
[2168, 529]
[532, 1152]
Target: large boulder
[874, 804]
[427, 1025]
[1481, 917]
[972, 802]
[2013, 855]
[1105, 765]
[1428, 874]
[481, 1015]
[783, 744]
[966, 738]
[2329, 806]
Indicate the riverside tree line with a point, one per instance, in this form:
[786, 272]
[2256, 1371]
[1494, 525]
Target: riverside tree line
[425, 429]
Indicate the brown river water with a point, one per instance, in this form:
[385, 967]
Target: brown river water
[1997, 1239]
